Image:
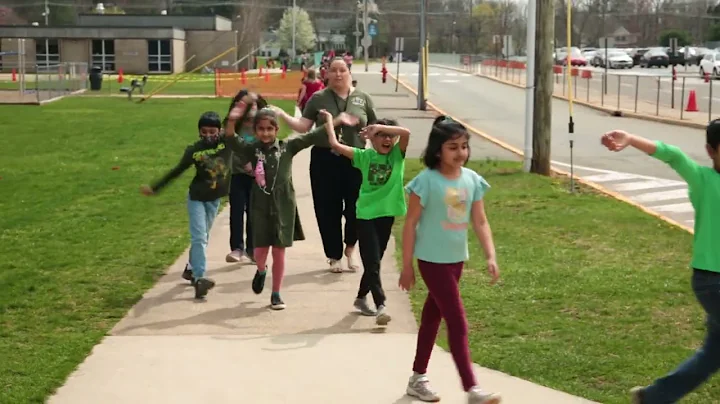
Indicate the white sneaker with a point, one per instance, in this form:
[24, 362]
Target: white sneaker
[234, 256]
[419, 387]
[335, 266]
[477, 396]
[382, 317]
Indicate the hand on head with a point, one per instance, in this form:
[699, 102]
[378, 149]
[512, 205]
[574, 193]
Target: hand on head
[615, 140]
[369, 131]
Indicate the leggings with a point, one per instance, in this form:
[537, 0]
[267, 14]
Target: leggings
[278, 265]
[444, 302]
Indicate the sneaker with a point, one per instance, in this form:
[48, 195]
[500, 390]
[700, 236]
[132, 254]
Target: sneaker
[258, 282]
[335, 266]
[234, 256]
[419, 387]
[363, 307]
[276, 302]
[188, 275]
[637, 395]
[477, 396]
[250, 256]
[382, 318]
[202, 286]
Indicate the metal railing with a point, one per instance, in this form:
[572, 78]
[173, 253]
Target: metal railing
[31, 83]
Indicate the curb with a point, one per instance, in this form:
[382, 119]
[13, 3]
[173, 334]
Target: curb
[520, 153]
[609, 111]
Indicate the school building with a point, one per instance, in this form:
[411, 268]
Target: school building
[137, 44]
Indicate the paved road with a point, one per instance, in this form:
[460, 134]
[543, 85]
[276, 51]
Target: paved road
[499, 110]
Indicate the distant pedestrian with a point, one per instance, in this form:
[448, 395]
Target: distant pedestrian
[444, 199]
[310, 86]
[704, 190]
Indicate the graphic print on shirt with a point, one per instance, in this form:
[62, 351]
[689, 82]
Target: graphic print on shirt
[379, 173]
[456, 201]
[213, 164]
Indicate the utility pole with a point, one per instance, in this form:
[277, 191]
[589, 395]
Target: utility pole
[529, 83]
[542, 106]
[293, 29]
[367, 39]
[421, 65]
[47, 15]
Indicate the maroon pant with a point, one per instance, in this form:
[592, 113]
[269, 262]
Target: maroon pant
[444, 302]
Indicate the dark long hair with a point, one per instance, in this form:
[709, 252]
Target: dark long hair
[444, 129]
[261, 103]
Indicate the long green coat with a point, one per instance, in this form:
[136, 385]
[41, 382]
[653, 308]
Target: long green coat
[273, 209]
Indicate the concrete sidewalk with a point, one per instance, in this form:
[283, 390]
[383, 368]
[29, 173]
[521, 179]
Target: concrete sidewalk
[234, 349]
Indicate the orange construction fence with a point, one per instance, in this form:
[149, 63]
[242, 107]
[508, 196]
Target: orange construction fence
[279, 85]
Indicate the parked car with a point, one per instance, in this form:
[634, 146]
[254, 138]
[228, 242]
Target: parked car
[710, 64]
[637, 54]
[576, 57]
[617, 60]
[677, 58]
[698, 55]
[655, 57]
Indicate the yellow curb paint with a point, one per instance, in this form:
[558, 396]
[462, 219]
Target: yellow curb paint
[519, 152]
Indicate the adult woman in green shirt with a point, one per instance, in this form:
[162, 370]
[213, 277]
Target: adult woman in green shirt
[335, 182]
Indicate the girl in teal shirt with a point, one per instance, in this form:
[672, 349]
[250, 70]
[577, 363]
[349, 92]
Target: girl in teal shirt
[445, 199]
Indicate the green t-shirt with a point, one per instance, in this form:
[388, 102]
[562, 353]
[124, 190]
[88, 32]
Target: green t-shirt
[704, 192]
[358, 103]
[381, 192]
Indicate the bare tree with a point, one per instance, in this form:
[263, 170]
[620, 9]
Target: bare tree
[249, 22]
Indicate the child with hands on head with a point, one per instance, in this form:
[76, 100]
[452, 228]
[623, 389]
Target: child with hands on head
[273, 209]
[381, 199]
[444, 199]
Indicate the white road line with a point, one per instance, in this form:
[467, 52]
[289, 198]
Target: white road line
[616, 176]
[449, 81]
[650, 184]
[675, 208]
[661, 196]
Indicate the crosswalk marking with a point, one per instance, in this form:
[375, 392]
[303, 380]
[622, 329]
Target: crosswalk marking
[611, 177]
[685, 207]
[661, 196]
[648, 184]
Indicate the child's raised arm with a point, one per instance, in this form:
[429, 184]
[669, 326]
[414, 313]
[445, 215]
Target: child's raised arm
[185, 162]
[345, 150]
[399, 131]
[686, 167]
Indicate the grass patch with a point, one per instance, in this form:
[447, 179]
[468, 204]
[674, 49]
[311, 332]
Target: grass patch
[595, 295]
[79, 245]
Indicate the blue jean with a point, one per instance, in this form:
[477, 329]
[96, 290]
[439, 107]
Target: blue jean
[706, 360]
[201, 215]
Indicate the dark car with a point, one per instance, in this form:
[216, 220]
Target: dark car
[637, 54]
[655, 57]
[677, 58]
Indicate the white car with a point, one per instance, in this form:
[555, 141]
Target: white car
[710, 63]
[619, 60]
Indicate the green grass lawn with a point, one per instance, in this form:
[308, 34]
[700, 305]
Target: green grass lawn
[595, 295]
[79, 245]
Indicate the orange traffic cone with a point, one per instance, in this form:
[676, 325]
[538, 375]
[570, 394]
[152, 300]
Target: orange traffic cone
[692, 102]
[121, 77]
[243, 77]
[267, 75]
[260, 71]
[14, 75]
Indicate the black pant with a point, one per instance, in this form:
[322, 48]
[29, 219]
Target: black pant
[374, 235]
[335, 188]
[240, 187]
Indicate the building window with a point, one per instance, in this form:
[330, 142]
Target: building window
[47, 52]
[103, 54]
[159, 56]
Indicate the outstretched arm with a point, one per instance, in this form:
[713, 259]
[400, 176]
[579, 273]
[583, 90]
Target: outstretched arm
[185, 162]
[686, 167]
